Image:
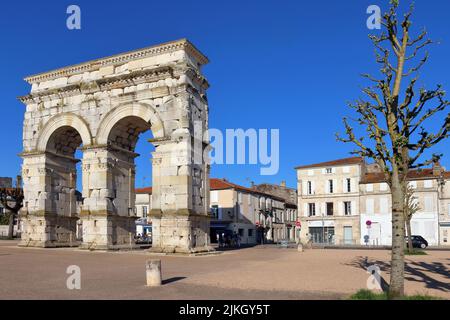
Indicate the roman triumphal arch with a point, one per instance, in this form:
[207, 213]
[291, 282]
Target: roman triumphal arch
[101, 107]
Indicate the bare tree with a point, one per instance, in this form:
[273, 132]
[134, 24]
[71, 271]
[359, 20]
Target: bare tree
[394, 125]
[411, 207]
[12, 200]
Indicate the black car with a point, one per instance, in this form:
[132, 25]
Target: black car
[418, 242]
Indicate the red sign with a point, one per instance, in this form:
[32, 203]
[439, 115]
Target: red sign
[257, 223]
[298, 224]
[368, 223]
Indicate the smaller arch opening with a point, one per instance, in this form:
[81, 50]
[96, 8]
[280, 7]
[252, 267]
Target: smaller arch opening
[64, 141]
[125, 133]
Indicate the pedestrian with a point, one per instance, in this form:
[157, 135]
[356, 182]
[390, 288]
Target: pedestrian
[218, 239]
[238, 238]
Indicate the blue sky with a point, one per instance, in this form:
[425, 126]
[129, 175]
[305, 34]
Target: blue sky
[288, 65]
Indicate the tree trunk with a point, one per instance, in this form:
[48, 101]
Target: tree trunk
[11, 226]
[408, 232]
[396, 287]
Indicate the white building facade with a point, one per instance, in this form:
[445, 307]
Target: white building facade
[348, 201]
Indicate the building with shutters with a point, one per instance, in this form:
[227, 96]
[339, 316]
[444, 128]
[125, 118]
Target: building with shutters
[348, 201]
[328, 201]
[257, 216]
[376, 206]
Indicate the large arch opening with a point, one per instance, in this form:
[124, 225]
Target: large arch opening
[62, 156]
[132, 169]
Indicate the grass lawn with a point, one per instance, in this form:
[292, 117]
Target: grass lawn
[370, 295]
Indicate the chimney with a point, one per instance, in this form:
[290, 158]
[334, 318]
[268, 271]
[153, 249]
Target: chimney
[437, 169]
[19, 181]
[283, 183]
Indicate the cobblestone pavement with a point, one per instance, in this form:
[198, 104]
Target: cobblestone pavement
[253, 273]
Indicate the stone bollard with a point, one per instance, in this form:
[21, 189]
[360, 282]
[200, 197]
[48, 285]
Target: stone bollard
[153, 273]
[300, 247]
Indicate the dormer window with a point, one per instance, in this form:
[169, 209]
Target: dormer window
[329, 170]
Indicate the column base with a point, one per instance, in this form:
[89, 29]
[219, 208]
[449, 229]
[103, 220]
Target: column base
[49, 231]
[176, 233]
[108, 232]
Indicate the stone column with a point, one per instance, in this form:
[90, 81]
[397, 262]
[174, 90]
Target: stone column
[108, 209]
[180, 221]
[49, 214]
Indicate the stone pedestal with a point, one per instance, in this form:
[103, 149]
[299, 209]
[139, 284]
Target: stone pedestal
[108, 232]
[49, 231]
[153, 273]
[180, 234]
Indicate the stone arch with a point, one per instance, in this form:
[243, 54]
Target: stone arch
[141, 110]
[64, 120]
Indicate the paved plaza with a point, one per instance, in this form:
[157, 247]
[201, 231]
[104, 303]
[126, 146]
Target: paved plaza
[253, 273]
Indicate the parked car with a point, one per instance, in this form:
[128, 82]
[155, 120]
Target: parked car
[418, 242]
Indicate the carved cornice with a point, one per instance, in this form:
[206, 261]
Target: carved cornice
[95, 65]
[117, 82]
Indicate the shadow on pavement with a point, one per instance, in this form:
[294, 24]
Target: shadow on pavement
[174, 279]
[414, 271]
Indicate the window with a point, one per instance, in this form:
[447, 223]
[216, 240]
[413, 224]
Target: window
[349, 185]
[329, 170]
[412, 184]
[369, 206]
[309, 187]
[383, 186]
[347, 208]
[214, 196]
[330, 186]
[311, 209]
[241, 232]
[428, 204]
[329, 208]
[428, 184]
[250, 232]
[369, 187]
[144, 211]
[383, 205]
[215, 212]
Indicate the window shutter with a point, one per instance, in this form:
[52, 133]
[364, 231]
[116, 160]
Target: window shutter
[344, 186]
[383, 205]
[341, 210]
[353, 185]
[313, 187]
[335, 187]
[323, 210]
[305, 209]
[369, 206]
[305, 187]
[353, 208]
[324, 171]
[428, 204]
